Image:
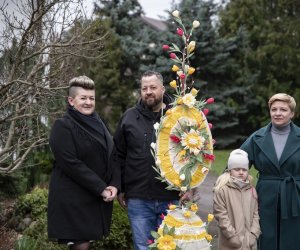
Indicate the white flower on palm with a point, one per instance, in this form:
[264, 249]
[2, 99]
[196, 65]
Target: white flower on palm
[156, 126]
[189, 100]
[192, 141]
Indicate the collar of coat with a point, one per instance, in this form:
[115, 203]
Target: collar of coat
[264, 141]
[236, 183]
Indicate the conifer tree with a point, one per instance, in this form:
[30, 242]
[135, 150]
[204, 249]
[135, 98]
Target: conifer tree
[274, 48]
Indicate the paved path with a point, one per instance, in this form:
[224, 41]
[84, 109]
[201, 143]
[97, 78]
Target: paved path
[205, 204]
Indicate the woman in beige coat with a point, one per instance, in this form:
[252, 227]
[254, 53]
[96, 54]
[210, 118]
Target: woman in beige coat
[235, 205]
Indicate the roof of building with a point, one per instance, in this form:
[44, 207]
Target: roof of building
[156, 24]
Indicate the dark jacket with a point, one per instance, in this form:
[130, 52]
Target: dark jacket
[80, 173]
[132, 139]
[278, 188]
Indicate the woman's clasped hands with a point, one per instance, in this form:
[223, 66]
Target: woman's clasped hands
[109, 193]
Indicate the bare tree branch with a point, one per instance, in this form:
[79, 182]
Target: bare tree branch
[38, 44]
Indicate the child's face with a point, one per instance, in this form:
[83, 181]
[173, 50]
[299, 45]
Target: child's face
[239, 173]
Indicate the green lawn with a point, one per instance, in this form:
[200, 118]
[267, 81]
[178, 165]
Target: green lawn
[220, 163]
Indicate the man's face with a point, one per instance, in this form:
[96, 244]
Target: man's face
[152, 92]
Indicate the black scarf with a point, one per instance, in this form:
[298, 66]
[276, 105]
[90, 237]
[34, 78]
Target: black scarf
[94, 126]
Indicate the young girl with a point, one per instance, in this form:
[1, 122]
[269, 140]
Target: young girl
[235, 205]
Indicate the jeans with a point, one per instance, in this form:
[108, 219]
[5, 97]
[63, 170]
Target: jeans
[144, 217]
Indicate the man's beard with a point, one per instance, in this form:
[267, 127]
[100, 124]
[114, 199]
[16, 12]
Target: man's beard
[153, 102]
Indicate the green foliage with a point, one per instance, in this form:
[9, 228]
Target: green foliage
[13, 185]
[38, 232]
[120, 236]
[34, 203]
[271, 59]
[26, 243]
[36, 172]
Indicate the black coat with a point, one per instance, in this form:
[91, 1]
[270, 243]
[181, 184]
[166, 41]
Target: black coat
[133, 138]
[80, 173]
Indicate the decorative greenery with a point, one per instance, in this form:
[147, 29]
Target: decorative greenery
[166, 239]
[184, 147]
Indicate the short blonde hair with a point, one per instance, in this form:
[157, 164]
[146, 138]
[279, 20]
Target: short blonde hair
[283, 98]
[80, 81]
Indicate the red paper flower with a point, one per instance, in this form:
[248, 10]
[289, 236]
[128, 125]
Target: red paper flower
[210, 125]
[174, 138]
[179, 32]
[210, 100]
[205, 111]
[149, 242]
[172, 55]
[166, 47]
[209, 157]
[182, 76]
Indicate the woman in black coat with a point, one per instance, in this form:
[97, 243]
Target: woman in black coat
[83, 183]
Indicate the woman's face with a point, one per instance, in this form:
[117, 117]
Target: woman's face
[84, 101]
[280, 113]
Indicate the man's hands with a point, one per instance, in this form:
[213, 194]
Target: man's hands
[122, 200]
[187, 196]
[109, 193]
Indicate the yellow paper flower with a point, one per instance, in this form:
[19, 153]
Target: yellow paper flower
[191, 46]
[194, 207]
[194, 91]
[191, 70]
[177, 182]
[182, 153]
[169, 111]
[175, 68]
[189, 100]
[187, 214]
[172, 207]
[192, 141]
[173, 84]
[166, 242]
[179, 101]
[208, 237]
[210, 217]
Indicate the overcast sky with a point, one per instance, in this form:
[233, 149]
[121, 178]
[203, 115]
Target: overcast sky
[156, 8]
[152, 8]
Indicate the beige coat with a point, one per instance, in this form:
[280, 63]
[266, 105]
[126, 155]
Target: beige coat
[236, 211]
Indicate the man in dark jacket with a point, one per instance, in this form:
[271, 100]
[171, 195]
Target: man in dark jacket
[145, 197]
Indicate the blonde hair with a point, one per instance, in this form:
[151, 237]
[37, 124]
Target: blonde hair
[224, 178]
[283, 98]
[80, 81]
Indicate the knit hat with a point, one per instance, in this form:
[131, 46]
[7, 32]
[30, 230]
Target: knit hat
[238, 158]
